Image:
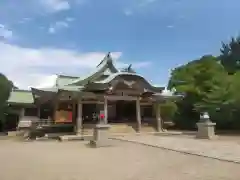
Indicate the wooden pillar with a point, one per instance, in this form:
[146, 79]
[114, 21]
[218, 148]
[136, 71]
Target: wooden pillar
[56, 105]
[158, 118]
[105, 110]
[79, 118]
[74, 112]
[21, 114]
[138, 111]
[39, 111]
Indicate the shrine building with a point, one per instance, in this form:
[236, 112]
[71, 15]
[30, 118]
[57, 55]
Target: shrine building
[129, 102]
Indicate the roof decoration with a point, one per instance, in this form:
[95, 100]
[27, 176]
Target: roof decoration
[106, 58]
[129, 69]
[105, 64]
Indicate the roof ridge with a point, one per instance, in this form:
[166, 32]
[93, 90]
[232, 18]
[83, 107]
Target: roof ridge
[108, 63]
[61, 75]
[20, 90]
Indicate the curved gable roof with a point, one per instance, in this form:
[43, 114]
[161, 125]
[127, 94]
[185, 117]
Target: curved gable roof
[105, 64]
[105, 82]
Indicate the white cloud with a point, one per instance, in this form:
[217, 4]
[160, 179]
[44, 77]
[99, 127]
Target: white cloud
[146, 2]
[142, 64]
[139, 5]
[35, 67]
[5, 33]
[57, 26]
[47, 81]
[70, 19]
[127, 12]
[25, 20]
[55, 5]
[28, 67]
[80, 1]
[51, 30]
[170, 26]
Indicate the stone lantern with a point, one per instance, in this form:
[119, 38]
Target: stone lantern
[205, 117]
[101, 133]
[206, 128]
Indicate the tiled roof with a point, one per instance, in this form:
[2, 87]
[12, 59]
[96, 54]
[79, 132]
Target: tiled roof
[103, 74]
[21, 97]
[64, 80]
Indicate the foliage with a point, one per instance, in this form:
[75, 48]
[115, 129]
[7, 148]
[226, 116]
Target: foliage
[186, 116]
[234, 88]
[207, 87]
[230, 55]
[168, 110]
[203, 81]
[5, 89]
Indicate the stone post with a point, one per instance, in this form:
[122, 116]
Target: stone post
[79, 118]
[138, 111]
[22, 112]
[101, 130]
[105, 110]
[158, 118]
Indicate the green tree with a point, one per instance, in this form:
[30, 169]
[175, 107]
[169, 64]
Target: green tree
[5, 89]
[168, 110]
[230, 55]
[205, 84]
[233, 105]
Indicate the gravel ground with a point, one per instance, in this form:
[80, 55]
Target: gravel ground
[124, 161]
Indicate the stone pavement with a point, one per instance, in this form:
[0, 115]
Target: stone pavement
[221, 150]
[51, 160]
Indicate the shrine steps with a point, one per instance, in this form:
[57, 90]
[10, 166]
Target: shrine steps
[120, 128]
[147, 128]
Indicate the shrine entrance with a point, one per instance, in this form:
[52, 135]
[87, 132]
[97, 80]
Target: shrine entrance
[89, 113]
[126, 111]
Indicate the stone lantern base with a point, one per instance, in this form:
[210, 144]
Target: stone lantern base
[206, 130]
[101, 136]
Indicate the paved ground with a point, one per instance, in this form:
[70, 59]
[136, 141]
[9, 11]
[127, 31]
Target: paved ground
[124, 161]
[221, 148]
[223, 136]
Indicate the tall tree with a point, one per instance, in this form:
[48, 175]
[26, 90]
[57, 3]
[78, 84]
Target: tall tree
[205, 84]
[5, 89]
[230, 55]
[205, 80]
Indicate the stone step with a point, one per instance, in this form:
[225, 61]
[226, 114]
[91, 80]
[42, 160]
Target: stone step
[121, 128]
[71, 138]
[148, 129]
[12, 133]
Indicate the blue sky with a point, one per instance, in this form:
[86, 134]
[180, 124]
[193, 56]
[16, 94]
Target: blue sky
[44, 37]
